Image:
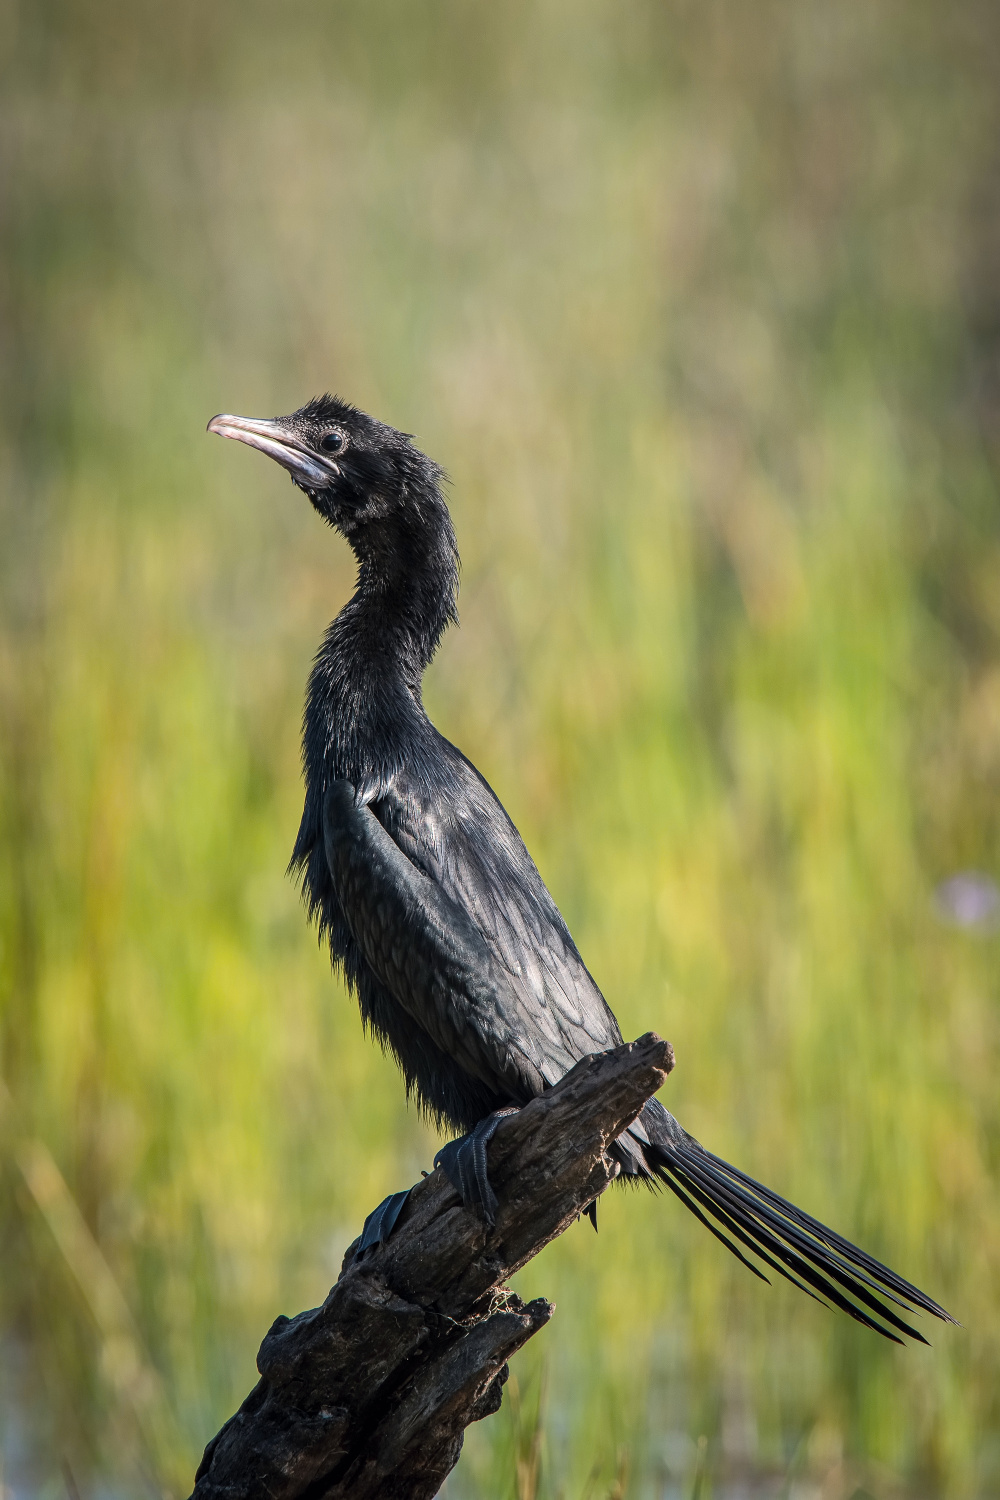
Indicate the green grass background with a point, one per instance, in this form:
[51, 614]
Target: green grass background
[700, 306]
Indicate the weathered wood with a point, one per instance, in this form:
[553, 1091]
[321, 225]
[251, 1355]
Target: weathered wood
[370, 1394]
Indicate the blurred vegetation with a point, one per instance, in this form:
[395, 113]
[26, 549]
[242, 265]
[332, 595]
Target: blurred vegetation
[700, 306]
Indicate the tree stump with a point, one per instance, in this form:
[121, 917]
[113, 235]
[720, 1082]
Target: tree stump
[370, 1394]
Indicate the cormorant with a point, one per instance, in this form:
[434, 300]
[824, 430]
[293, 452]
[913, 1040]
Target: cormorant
[429, 900]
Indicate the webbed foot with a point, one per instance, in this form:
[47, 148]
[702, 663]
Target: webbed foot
[381, 1222]
[464, 1164]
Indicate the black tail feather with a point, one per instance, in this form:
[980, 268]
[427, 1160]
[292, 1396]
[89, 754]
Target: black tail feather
[883, 1275]
[753, 1242]
[693, 1207]
[789, 1241]
[715, 1196]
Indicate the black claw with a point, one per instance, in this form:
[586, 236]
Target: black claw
[381, 1222]
[464, 1164]
[591, 1212]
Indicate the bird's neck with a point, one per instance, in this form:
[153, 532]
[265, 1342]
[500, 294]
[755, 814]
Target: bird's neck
[364, 711]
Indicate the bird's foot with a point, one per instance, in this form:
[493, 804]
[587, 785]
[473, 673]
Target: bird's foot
[464, 1164]
[381, 1222]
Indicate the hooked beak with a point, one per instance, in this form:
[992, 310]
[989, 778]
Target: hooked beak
[311, 470]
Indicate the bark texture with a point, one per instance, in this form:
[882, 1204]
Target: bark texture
[370, 1394]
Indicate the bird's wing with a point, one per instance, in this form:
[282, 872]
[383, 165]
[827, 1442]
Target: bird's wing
[429, 955]
[454, 920]
[458, 834]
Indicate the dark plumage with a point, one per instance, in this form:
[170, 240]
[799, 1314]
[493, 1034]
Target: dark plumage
[421, 884]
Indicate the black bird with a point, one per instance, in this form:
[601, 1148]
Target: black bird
[430, 902]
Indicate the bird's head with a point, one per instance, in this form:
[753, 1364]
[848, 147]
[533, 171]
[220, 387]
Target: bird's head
[365, 478]
[380, 492]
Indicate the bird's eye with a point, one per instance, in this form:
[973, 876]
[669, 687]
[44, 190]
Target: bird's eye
[332, 442]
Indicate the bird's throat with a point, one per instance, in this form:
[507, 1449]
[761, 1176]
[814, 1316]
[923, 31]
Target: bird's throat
[364, 710]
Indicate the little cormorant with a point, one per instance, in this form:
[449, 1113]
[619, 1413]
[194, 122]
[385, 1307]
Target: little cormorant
[428, 898]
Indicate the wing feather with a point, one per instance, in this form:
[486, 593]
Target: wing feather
[473, 852]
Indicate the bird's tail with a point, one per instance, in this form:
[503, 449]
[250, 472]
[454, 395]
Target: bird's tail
[816, 1259]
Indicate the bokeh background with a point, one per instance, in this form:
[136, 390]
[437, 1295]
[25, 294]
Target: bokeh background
[699, 303]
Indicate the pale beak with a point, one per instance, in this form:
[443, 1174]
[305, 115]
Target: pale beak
[311, 470]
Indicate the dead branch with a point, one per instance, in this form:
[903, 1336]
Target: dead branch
[370, 1394]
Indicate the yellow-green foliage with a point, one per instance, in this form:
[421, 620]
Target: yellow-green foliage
[697, 303]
